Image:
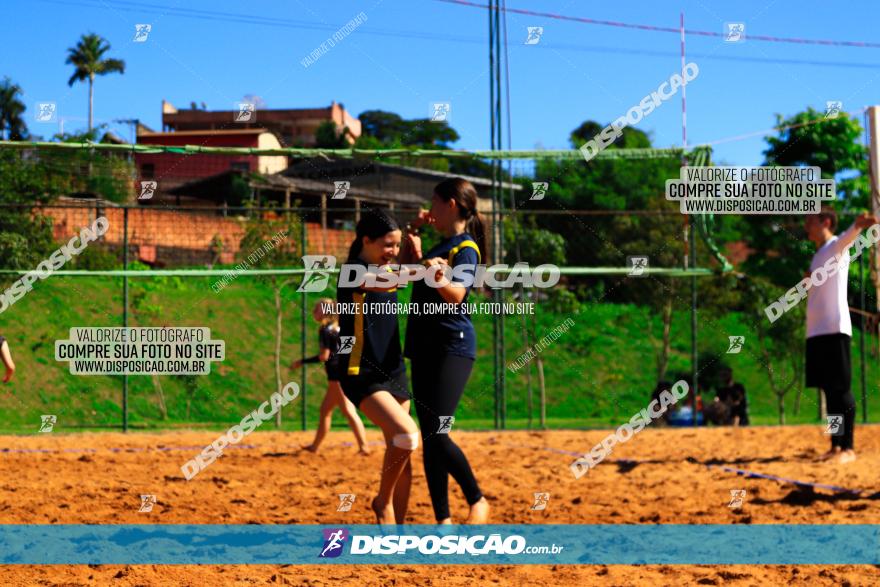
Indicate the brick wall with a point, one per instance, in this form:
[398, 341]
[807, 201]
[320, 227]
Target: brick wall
[168, 238]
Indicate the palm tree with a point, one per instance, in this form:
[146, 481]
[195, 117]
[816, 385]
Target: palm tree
[12, 125]
[86, 57]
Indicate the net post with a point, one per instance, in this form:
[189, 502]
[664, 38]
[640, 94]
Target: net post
[862, 339]
[695, 368]
[125, 312]
[303, 318]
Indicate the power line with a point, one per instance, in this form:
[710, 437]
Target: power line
[304, 25]
[243, 18]
[774, 129]
[662, 29]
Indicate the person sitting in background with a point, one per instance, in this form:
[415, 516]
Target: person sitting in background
[717, 412]
[732, 395]
[7, 359]
[655, 395]
[683, 414]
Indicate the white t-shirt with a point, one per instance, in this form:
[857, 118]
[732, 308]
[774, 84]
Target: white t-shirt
[827, 304]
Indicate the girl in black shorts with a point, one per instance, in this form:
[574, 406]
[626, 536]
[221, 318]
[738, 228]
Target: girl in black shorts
[373, 375]
[334, 398]
[443, 347]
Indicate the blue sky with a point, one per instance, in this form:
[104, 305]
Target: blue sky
[410, 53]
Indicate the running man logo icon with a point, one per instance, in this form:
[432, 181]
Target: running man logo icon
[736, 344]
[446, 423]
[541, 500]
[342, 188]
[317, 275]
[334, 539]
[736, 498]
[637, 266]
[48, 422]
[539, 190]
[346, 344]
[534, 36]
[346, 500]
[46, 112]
[141, 32]
[148, 190]
[147, 503]
[246, 112]
[440, 111]
[735, 32]
[835, 425]
[833, 108]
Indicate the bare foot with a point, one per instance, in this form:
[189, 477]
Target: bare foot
[445, 522]
[363, 451]
[310, 448]
[846, 456]
[835, 450]
[384, 515]
[479, 512]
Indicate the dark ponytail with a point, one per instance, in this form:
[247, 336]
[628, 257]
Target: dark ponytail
[373, 224]
[465, 195]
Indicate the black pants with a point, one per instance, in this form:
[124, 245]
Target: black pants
[829, 367]
[840, 400]
[438, 383]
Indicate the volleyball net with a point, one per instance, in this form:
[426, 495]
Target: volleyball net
[219, 238]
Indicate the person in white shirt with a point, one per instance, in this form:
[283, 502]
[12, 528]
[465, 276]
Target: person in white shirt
[829, 330]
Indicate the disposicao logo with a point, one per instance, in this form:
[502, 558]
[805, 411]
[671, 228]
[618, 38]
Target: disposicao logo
[334, 540]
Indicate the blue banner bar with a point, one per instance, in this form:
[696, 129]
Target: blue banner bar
[136, 544]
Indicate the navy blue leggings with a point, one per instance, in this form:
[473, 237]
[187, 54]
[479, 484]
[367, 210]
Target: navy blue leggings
[438, 384]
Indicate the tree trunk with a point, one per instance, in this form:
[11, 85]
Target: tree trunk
[162, 408]
[779, 392]
[277, 287]
[543, 395]
[663, 359]
[91, 99]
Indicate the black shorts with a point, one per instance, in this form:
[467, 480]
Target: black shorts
[828, 364]
[357, 387]
[334, 372]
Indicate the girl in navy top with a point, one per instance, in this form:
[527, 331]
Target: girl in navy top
[372, 372]
[328, 335]
[442, 347]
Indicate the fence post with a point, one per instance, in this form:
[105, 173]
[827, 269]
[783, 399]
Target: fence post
[862, 338]
[303, 318]
[695, 367]
[125, 311]
[540, 364]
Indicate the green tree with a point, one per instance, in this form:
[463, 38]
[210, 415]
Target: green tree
[392, 131]
[387, 130]
[607, 240]
[385, 127]
[811, 139]
[25, 238]
[87, 57]
[328, 137]
[102, 174]
[270, 241]
[12, 124]
[781, 252]
[630, 138]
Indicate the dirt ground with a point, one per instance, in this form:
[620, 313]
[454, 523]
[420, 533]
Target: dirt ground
[98, 478]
